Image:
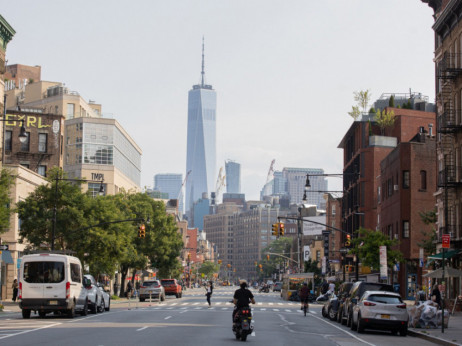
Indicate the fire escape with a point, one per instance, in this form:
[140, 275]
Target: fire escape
[449, 121]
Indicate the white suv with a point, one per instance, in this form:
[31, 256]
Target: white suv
[94, 295]
[380, 310]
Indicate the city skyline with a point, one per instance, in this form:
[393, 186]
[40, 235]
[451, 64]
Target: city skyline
[285, 83]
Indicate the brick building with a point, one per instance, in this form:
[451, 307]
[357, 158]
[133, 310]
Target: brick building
[408, 182]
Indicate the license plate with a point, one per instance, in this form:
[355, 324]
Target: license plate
[53, 302]
[386, 317]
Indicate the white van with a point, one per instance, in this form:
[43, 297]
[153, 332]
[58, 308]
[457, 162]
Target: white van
[51, 283]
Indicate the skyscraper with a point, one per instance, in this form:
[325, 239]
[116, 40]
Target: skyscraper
[171, 184]
[233, 177]
[201, 150]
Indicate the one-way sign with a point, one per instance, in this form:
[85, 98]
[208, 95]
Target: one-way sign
[3, 247]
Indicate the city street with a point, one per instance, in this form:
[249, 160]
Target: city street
[188, 321]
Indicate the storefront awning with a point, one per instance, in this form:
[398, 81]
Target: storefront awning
[6, 257]
[448, 254]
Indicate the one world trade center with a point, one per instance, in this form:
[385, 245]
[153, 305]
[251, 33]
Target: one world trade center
[201, 150]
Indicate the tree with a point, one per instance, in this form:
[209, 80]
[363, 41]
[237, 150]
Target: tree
[362, 99]
[209, 268]
[275, 251]
[313, 267]
[6, 182]
[391, 101]
[385, 118]
[367, 248]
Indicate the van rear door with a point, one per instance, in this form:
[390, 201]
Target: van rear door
[44, 278]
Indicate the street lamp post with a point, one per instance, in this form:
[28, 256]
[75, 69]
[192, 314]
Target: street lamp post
[55, 207]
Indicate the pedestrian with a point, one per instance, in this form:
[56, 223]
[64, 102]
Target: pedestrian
[208, 292]
[436, 295]
[420, 295]
[331, 287]
[129, 289]
[15, 289]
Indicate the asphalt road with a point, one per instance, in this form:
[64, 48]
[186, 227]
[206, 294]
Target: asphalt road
[189, 321]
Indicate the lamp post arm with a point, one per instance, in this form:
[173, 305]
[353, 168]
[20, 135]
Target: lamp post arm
[276, 254]
[315, 222]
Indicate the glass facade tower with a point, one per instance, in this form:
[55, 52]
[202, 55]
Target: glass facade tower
[233, 177]
[201, 141]
[170, 183]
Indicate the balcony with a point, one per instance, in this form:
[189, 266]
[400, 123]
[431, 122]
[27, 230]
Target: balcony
[450, 121]
[449, 177]
[450, 67]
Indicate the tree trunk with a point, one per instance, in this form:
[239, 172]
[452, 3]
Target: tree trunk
[123, 272]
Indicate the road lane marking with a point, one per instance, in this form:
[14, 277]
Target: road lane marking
[185, 304]
[275, 309]
[263, 309]
[31, 330]
[138, 330]
[279, 303]
[198, 304]
[168, 317]
[259, 303]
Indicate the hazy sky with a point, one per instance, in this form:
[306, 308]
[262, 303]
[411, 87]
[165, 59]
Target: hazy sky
[284, 71]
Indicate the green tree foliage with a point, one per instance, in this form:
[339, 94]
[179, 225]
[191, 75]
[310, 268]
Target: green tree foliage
[276, 250]
[313, 267]
[391, 101]
[6, 182]
[367, 245]
[362, 99]
[209, 268]
[385, 118]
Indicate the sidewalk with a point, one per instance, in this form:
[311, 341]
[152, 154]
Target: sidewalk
[451, 336]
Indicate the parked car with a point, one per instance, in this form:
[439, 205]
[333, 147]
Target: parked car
[380, 310]
[324, 299]
[356, 292]
[277, 287]
[94, 295]
[172, 288]
[152, 289]
[51, 283]
[106, 302]
[335, 305]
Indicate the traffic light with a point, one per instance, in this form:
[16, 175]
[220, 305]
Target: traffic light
[189, 257]
[267, 257]
[281, 229]
[256, 263]
[348, 240]
[220, 261]
[275, 229]
[142, 231]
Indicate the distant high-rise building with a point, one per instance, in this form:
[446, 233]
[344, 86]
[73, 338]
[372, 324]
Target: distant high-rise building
[296, 179]
[171, 184]
[233, 177]
[201, 142]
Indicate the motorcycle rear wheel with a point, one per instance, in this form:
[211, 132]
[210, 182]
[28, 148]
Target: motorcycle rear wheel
[244, 337]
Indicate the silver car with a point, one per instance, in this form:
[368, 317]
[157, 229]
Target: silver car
[152, 289]
[94, 295]
[380, 310]
[106, 301]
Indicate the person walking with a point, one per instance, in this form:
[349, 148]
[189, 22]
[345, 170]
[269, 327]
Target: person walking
[15, 289]
[208, 292]
[129, 289]
[436, 295]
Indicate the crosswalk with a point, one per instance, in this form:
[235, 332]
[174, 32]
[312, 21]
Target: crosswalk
[10, 328]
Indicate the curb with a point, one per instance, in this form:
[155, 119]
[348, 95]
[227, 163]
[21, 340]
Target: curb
[431, 338]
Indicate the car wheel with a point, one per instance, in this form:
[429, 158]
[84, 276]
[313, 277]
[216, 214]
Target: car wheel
[332, 315]
[394, 332]
[85, 309]
[25, 313]
[108, 305]
[403, 331]
[142, 299]
[42, 314]
[323, 311]
[102, 307]
[360, 325]
[352, 322]
[348, 320]
[162, 297]
[339, 315]
[93, 308]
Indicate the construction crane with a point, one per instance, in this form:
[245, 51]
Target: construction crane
[218, 186]
[183, 184]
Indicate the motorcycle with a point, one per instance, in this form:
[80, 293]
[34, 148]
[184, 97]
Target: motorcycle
[242, 325]
[264, 289]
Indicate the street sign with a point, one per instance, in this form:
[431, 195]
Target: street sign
[4, 247]
[446, 241]
[19, 263]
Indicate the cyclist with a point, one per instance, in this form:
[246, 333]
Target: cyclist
[304, 294]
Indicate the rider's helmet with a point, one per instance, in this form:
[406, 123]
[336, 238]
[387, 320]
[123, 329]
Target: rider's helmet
[243, 284]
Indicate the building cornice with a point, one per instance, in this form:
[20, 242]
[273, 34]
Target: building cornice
[445, 16]
[6, 32]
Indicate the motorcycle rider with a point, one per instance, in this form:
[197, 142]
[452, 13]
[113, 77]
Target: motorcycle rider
[304, 294]
[242, 297]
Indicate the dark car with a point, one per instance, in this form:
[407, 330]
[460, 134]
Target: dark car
[335, 302]
[356, 292]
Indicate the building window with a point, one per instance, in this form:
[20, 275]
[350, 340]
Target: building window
[423, 180]
[333, 210]
[25, 144]
[406, 179]
[405, 229]
[318, 255]
[8, 140]
[42, 146]
[42, 170]
[70, 111]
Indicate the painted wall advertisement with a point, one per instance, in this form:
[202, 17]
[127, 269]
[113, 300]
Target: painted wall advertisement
[383, 263]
